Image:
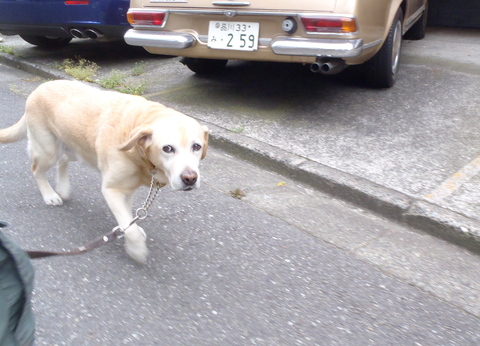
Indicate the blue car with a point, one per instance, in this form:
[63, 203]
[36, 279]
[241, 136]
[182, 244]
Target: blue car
[53, 23]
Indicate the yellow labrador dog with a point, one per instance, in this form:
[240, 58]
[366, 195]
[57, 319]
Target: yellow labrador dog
[124, 136]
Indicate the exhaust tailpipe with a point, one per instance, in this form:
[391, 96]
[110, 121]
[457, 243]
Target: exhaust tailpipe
[77, 33]
[328, 67]
[93, 34]
[315, 67]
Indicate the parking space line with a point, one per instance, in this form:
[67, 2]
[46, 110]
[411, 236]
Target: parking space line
[454, 182]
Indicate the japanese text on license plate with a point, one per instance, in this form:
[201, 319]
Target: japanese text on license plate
[233, 35]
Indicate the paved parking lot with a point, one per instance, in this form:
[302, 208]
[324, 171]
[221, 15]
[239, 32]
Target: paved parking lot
[291, 265]
[410, 152]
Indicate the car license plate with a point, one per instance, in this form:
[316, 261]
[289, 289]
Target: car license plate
[233, 35]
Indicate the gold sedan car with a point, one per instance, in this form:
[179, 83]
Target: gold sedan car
[329, 35]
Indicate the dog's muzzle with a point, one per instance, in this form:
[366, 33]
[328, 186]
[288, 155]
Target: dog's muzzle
[189, 179]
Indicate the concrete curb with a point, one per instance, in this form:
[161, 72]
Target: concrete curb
[41, 71]
[386, 202]
[394, 205]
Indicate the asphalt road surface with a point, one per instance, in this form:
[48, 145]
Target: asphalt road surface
[224, 271]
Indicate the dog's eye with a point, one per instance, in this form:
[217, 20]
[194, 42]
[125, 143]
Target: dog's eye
[196, 147]
[168, 149]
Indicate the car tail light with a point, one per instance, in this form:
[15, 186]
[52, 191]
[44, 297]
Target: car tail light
[77, 2]
[334, 25]
[146, 18]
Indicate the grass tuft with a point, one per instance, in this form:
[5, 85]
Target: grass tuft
[7, 49]
[118, 81]
[80, 68]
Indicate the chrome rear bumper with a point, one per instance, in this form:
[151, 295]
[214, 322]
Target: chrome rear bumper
[280, 45]
[317, 47]
[159, 39]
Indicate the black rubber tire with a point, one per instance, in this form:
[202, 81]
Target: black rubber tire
[417, 31]
[205, 66]
[381, 70]
[46, 42]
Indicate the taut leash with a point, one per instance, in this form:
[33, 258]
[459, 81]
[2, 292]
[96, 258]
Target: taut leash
[116, 233]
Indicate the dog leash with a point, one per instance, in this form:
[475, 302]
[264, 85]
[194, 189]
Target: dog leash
[116, 233]
[94, 244]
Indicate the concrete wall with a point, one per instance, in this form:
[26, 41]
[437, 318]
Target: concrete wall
[456, 13]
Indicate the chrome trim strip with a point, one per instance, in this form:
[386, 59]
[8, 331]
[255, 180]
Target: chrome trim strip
[414, 17]
[230, 3]
[242, 12]
[315, 47]
[264, 41]
[371, 44]
[159, 39]
[238, 12]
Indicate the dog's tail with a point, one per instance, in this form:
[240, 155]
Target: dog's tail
[15, 132]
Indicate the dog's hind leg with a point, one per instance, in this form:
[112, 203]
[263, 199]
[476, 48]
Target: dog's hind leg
[40, 169]
[44, 156]
[63, 182]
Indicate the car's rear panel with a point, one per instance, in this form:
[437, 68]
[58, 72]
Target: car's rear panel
[193, 17]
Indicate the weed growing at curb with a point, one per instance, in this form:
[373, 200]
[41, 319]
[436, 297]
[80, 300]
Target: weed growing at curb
[80, 68]
[138, 69]
[83, 69]
[7, 49]
[118, 81]
[114, 80]
[16, 89]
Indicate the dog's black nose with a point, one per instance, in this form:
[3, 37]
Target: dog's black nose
[189, 178]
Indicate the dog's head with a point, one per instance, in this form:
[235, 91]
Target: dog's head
[174, 144]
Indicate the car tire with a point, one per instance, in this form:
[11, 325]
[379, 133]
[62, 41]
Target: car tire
[417, 31]
[205, 66]
[381, 70]
[46, 41]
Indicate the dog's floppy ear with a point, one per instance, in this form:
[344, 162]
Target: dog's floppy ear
[141, 136]
[205, 145]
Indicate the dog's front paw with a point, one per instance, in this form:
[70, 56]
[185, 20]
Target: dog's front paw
[53, 199]
[136, 244]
